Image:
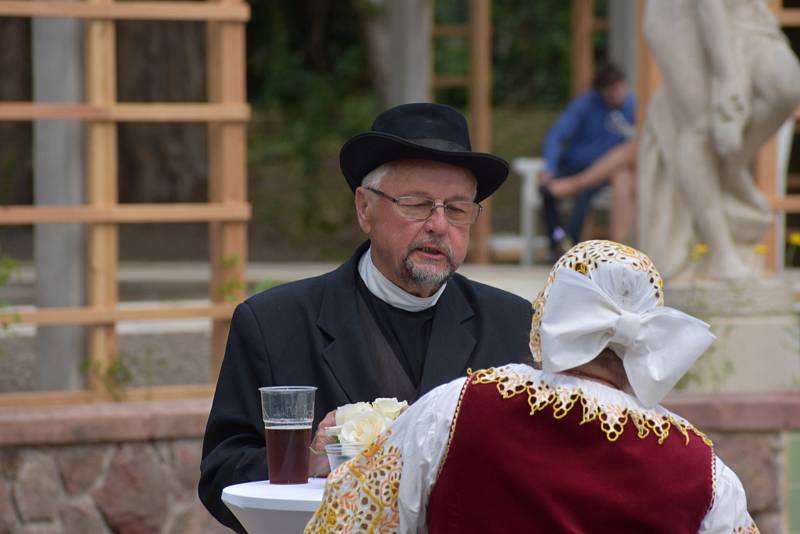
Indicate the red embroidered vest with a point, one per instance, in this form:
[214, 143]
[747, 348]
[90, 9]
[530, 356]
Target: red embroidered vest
[509, 471]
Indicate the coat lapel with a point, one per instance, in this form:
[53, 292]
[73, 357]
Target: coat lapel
[347, 353]
[452, 342]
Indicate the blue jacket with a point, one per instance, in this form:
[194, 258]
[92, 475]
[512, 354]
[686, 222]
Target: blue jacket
[584, 132]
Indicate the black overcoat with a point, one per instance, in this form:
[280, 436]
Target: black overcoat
[309, 333]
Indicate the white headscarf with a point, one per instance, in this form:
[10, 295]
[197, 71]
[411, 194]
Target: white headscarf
[605, 295]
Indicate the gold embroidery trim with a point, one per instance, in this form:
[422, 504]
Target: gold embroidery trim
[612, 419]
[361, 495]
[749, 529]
[453, 424]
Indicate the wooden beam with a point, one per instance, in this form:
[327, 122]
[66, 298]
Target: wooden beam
[480, 109]
[150, 112]
[582, 52]
[451, 30]
[199, 11]
[789, 17]
[127, 213]
[787, 204]
[444, 81]
[109, 315]
[62, 398]
[227, 171]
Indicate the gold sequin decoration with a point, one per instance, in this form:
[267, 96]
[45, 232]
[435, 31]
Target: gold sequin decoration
[749, 529]
[613, 419]
[361, 495]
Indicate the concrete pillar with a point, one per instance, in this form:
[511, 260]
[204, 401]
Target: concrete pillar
[621, 35]
[59, 249]
[410, 42]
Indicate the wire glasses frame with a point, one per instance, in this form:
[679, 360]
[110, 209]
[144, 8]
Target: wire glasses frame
[460, 212]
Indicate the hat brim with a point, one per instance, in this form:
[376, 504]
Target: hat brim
[365, 152]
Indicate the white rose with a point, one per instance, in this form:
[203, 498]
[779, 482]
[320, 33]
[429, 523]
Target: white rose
[364, 428]
[389, 408]
[349, 411]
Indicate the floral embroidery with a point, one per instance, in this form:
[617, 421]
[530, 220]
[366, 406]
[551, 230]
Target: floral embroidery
[361, 495]
[584, 258]
[562, 399]
[749, 529]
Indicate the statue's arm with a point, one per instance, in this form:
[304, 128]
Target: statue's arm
[728, 101]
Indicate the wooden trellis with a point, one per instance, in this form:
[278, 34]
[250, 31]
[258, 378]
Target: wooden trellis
[227, 210]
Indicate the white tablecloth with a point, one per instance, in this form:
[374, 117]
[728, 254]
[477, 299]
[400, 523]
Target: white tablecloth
[263, 508]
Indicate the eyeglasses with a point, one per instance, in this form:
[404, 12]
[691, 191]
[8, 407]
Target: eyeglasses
[420, 208]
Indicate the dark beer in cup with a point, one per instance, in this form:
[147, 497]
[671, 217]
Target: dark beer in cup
[287, 453]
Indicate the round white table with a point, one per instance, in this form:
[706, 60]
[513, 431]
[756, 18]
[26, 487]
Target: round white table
[264, 508]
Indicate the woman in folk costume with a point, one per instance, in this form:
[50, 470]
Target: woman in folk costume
[581, 445]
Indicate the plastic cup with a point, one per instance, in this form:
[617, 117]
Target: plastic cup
[287, 412]
[339, 453]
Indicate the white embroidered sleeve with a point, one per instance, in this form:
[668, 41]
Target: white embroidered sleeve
[386, 488]
[422, 434]
[728, 514]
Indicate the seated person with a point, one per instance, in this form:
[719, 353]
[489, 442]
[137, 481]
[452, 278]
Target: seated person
[594, 123]
[581, 445]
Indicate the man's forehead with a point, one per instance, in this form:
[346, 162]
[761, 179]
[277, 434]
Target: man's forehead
[416, 167]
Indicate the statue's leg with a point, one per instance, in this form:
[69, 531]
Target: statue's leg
[695, 166]
[773, 74]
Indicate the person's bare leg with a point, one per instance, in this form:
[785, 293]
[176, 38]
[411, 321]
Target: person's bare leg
[623, 203]
[620, 157]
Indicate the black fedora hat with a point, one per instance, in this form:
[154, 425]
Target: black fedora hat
[420, 131]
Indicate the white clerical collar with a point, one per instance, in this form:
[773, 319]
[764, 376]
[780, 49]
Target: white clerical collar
[388, 292]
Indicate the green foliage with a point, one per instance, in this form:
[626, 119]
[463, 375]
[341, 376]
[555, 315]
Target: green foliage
[113, 376]
[8, 268]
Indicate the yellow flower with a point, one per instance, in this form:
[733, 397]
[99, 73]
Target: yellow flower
[794, 239]
[698, 251]
[761, 248]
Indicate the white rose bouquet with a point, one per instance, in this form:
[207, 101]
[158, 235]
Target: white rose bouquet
[361, 423]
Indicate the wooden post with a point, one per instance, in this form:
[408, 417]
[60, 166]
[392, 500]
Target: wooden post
[766, 168]
[227, 174]
[480, 101]
[648, 77]
[101, 163]
[582, 61]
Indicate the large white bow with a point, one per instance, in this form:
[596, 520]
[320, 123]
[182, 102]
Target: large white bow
[657, 345]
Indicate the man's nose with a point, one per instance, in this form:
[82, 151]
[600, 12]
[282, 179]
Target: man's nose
[437, 222]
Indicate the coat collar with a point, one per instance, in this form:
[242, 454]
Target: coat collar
[347, 352]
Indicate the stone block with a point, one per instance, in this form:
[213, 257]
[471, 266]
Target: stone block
[83, 517]
[757, 460]
[758, 335]
[770, 523]
[49, 528]
[37, 488]
[195, 519]
[133, 497]
[82, 465]
[8, 517]
[186, 464]
[10, 460]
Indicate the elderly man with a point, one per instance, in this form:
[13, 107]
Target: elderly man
[394, 320]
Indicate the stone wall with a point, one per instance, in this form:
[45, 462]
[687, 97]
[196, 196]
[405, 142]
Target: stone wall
[133, 467]
[127, 468]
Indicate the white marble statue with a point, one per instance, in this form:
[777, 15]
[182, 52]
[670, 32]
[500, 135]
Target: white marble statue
[730, 80]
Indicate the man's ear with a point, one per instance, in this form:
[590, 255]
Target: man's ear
[363, 210]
